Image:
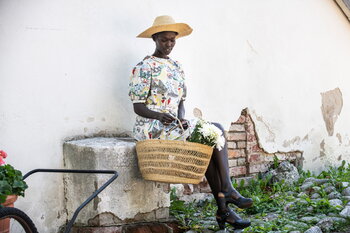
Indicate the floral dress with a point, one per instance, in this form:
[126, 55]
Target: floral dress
[159, 83]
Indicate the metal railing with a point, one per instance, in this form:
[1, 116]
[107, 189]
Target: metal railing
[90, 198]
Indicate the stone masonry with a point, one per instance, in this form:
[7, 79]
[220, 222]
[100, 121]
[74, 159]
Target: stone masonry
[128, 199]
[246, 157]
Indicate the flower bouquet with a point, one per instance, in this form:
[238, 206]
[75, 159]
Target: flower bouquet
[207, 133]
[11, 180]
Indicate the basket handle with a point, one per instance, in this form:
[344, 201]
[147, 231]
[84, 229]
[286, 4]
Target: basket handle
[182, 128]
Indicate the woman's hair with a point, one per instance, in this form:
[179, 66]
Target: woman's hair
[154, 36]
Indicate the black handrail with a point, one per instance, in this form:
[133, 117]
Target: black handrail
[71, 222]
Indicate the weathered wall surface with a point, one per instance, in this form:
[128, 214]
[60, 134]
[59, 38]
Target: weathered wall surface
[65, 65]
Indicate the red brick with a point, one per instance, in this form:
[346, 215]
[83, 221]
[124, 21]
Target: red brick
[251, 138]
[255, 168]
[256, 158]
[241, 119]
[237, 127]
[232, 145]
[236, 153]
[253, 147]
[241, 144]
[238, 171]
[235, 136]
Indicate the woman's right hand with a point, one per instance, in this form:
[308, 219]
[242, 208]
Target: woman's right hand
[165, 118]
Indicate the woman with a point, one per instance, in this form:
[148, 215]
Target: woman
[158, 92]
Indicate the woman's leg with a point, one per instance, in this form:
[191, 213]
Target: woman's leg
[220, 159]
[224, 214]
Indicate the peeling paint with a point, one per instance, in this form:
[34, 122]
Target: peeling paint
[306, 137]
[294, 140]
[339, 138]
[332, 104]
[272, 136]
[322, 149]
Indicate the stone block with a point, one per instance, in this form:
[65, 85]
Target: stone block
[231, 145]
[256, 168]
[128, 199]
[245, 180]
[237, 127]
[236, 136]
[238, 171]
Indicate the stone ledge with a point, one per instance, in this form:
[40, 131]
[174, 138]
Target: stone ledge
[128, 199]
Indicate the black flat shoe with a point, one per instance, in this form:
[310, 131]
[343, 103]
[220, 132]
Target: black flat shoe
[231, 218]
[237, 199]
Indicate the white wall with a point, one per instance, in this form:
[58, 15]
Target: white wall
[64, 68]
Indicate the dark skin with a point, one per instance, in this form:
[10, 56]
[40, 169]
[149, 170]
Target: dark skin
[217, 173]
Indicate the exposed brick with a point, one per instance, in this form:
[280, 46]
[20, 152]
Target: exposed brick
[159, 228]
[241, 144]
[236, 136]
[251, 138]
[232, 145]
[256, 158]
[236, 153]
[256, 168]
[253, 147]
[241, 119]
[232, 162]
[241, 162]
[238, 171]
[237, 127]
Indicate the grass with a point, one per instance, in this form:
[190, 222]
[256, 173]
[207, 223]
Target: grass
[268, 198]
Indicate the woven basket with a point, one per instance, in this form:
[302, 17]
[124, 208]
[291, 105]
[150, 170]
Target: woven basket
[172, 161]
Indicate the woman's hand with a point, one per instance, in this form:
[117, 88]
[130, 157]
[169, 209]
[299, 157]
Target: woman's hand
[165, 118]
[184, 123]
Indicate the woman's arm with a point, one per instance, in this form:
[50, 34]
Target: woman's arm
[181, 114]
[141, 110]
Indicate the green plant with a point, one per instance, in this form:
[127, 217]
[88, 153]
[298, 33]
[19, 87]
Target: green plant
[11, 182]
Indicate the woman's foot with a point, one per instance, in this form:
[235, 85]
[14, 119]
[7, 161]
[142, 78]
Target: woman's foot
[236, 198]
[230, 217]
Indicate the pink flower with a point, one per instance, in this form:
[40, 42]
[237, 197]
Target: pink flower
[3, 155]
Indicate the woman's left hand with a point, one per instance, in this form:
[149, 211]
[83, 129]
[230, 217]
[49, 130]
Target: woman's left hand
[184, 123]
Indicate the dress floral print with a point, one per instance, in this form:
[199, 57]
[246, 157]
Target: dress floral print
[160, 84]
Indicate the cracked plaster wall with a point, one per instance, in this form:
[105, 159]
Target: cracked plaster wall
[65, 66]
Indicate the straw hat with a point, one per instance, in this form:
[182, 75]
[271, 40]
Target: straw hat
[166, 23]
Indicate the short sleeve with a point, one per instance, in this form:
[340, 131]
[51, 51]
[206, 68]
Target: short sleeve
[140, 83]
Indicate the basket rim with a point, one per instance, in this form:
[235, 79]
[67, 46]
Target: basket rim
[177, 141]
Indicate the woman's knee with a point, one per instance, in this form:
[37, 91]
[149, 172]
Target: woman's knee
[219, 126]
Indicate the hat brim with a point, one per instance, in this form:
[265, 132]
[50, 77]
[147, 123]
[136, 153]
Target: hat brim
[182, 29]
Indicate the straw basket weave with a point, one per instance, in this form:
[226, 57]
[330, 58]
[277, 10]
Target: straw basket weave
[173, 161]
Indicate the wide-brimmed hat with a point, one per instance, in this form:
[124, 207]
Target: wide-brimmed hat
[166, 23]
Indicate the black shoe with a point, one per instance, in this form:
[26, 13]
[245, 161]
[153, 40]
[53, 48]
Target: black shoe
[231, 218]
[237, 199]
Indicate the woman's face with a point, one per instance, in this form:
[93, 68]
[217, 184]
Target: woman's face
[165, 42]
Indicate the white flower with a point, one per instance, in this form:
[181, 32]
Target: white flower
[220, 142]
